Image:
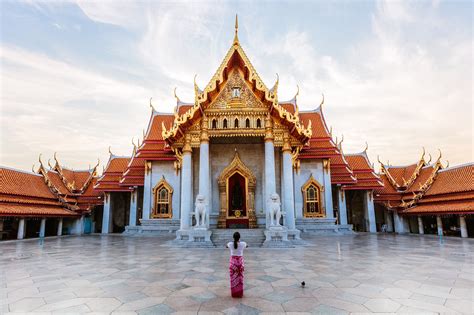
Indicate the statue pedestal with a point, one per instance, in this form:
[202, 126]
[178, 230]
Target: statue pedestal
[194, 237]
[276, 236]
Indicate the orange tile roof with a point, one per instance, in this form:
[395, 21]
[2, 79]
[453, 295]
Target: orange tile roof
[15, 182]
[364, 173]
[26, 194]
[446, 207]
[110, 179]
[454, 179]
[25, 210]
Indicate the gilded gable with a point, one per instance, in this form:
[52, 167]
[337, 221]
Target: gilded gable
[236, 94]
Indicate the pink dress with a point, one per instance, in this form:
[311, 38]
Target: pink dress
[236, 269]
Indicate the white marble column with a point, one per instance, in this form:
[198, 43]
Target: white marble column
[421, 228]
[341, 199]
[132, 221]
[388, 215]
[270, 182]
[401, 226]
[463, 226]
[204, 167]
[288, 196]
[147, 191]
[327, 189]
[79, 226]
[60, 227]
[42, 228]
[439, 223]
[107, 215]
[370, 210]
[21, 229]
[186, 185]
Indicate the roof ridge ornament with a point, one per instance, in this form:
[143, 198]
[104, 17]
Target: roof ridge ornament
[366, 147]
[151, 105]
[236, 36]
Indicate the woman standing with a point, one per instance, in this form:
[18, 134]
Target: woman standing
[236, 266]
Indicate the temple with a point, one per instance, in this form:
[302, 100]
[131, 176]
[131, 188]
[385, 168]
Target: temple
[237, 157]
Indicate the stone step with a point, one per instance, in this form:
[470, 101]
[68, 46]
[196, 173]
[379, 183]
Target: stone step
[253, 237]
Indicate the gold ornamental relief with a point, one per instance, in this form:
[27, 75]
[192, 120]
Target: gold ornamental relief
[236, 94]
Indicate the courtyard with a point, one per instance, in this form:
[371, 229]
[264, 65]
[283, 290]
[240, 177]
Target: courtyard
[343, 274]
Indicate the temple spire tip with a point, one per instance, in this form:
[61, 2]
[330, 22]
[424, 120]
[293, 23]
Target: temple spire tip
[236, 37]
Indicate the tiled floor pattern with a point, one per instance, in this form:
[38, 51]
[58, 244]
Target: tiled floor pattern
[130, 275]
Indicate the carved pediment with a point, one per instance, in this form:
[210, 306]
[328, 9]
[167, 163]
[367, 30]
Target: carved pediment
[236, 94]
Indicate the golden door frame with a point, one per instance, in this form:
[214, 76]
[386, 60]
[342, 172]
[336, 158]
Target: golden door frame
[237, 166]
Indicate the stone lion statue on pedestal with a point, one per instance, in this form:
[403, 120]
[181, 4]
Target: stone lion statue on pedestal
[200, 211]
[275, 210]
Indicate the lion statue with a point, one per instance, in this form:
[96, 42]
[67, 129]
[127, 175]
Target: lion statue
[200, 211]
[275, 210]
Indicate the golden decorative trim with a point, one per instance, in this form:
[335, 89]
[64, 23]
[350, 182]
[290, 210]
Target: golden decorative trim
[159, 185]
[321, 209]
[237, 166]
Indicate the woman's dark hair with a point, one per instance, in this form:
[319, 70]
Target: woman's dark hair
[236, 239]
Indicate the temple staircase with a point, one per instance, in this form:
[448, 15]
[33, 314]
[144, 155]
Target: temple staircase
[253, 237]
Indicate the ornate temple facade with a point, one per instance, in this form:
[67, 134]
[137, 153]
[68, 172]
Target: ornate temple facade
[238, 157]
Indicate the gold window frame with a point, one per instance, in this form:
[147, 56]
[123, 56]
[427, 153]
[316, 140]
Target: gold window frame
[162, 184]
[321, 213]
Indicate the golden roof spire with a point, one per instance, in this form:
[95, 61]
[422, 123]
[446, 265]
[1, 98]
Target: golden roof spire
[236, 37]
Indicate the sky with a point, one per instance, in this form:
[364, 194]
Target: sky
[77, 76]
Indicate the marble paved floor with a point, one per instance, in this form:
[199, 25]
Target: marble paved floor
[129, 275]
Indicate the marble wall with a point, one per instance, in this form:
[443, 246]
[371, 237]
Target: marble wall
[308, 168]
[159, 170]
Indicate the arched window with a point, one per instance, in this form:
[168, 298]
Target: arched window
[312, 203]
[224, 123]
[162, 200]
[236, 123]
[214, 124]
[247, 123]
[259, 124]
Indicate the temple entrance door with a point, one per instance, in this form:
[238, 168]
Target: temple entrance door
[236, 195]
[237, 216]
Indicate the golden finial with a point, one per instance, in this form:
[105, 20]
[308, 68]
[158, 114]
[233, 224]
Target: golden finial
[49, 164]
[322, 100]
[39, 159]
[429, 161]
[440, 155]
[236, 37]
[423, 154]
[33, 168]
[366, 147]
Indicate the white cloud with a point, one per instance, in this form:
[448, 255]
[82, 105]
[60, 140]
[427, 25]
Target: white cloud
[48, 106]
